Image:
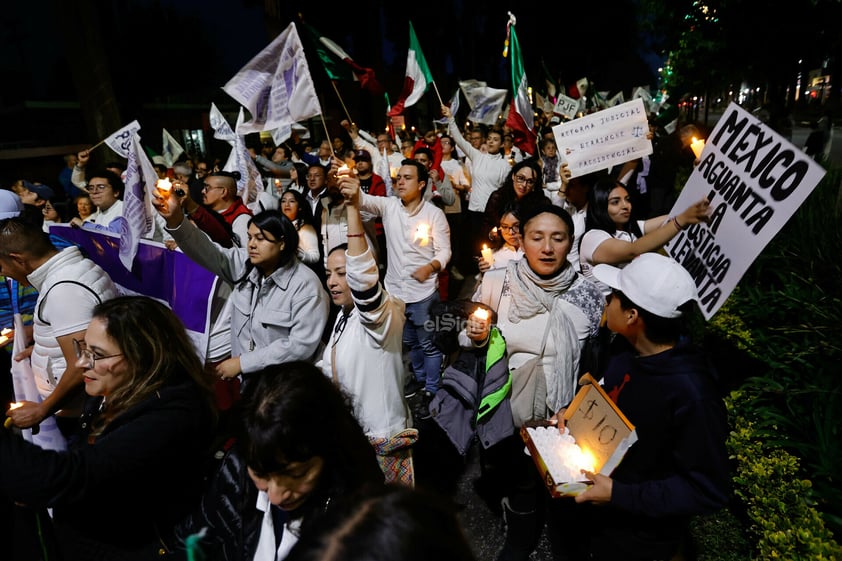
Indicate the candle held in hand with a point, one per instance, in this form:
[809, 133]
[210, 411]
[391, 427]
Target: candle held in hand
[488, 255]
[481, 314]
[697, 145]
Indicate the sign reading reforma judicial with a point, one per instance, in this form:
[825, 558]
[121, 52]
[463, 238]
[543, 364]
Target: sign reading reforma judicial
[604, 139]
[755, 180]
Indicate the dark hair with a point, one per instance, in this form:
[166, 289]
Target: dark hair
[532, 211]
[301, 169]
[423, 174]
[232, 177]
[292, 412]
[423, 150]
[22, 235]
[154, 345]
[597, 217]
[343, 247]
[305, 214]
[113, 179]
[386, 523]
[505, 195]
[276, 223]
[658, 329]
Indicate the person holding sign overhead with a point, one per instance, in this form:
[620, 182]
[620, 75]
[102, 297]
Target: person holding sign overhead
[667, 389]
[613, 238]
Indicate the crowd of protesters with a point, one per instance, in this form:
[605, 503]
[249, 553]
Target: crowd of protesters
[328, 345]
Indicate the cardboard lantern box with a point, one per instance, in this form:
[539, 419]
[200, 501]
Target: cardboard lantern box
[601, 431]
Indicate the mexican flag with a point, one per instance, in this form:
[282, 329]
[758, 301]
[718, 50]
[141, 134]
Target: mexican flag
[520, 117]
[418, 77]
[339, 65]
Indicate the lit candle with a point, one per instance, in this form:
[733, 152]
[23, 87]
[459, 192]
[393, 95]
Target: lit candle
[8, 422]
[164, 187]
[4, 336]
[277, 183]
[697, 146]
[481, 314]
[488, 255]
[494, 232]
[422, 234]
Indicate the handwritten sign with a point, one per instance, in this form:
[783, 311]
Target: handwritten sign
[604, 139]
[755, 180]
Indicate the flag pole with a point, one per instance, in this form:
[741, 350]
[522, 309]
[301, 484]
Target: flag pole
[437, 92]
[98, 144]
[333, 83]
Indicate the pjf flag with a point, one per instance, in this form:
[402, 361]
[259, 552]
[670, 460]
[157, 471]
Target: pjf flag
[418, 76]
[276, 87]
[121, 140]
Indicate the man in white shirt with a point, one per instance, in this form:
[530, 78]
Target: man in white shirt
[419, 233]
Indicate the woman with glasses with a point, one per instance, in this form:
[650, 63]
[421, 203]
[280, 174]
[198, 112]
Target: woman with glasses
[278, 307]
[135, 468]
[613, 237]
[525, 184]
[507, 237]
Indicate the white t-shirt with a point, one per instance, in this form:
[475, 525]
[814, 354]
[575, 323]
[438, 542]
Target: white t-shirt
[591, 241]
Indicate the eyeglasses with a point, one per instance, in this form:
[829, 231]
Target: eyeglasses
[98, 187]
[513, 229]
[314, 176]
[207, 188]
[525, 180]
[80, 348]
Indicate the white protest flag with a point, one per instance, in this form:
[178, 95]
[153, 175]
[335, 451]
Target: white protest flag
[121, 140]
[138, 214]
[454, 108]
[755, 180]
[616, 100]
[276, 87]
[239, 158]
[488, 104]
[171, 148]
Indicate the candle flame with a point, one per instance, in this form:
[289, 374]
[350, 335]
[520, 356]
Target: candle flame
[481, 314]
[163, 185]
[15, 405]
[422, 234]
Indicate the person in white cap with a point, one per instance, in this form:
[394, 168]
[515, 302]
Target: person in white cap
[666, 388]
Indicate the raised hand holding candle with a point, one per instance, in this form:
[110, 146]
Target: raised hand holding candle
[697, 145]
[164, 187]
[488, 255]
[481, 314]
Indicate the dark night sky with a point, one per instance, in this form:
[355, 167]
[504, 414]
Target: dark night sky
[169, 51]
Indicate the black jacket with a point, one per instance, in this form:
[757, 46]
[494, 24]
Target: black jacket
[114, 496]
[228, 510]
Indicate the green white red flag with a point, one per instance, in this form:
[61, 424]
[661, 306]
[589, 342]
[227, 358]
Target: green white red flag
[520, 119]
[339, 65]
[418, 77]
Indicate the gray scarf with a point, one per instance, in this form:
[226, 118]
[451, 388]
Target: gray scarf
[532, 295]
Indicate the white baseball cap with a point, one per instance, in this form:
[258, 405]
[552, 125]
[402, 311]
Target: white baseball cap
[10, 204]
[654, 282]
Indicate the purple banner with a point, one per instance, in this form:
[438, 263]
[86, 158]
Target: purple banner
[156, 272]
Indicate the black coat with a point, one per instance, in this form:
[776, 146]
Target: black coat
[114, 496]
